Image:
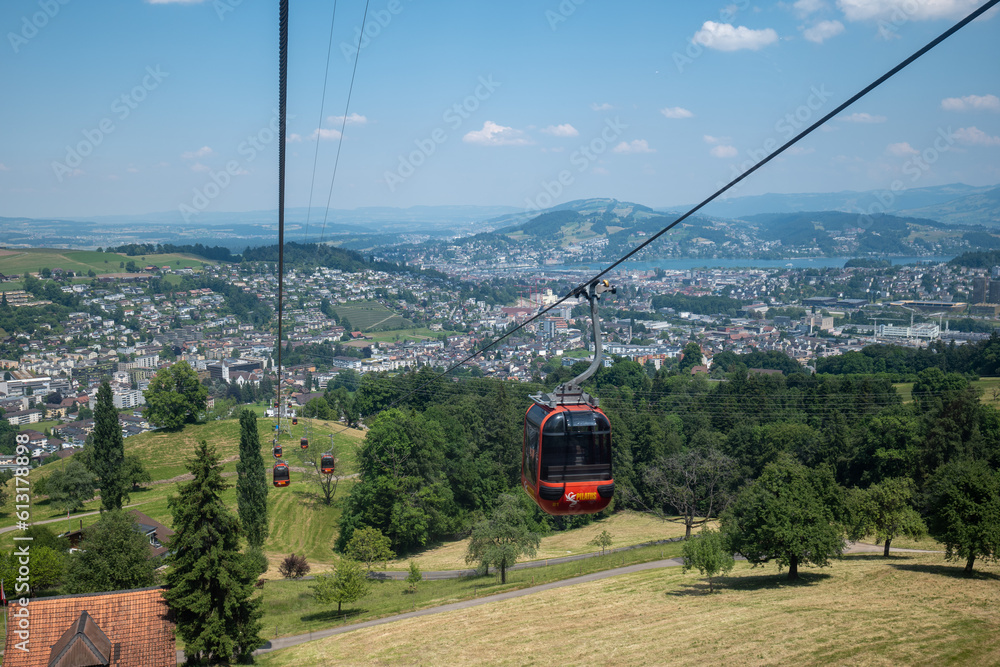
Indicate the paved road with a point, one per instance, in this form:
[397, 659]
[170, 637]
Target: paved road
[7, 529]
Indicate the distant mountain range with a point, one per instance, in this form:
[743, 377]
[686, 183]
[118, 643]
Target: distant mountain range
[936, 202]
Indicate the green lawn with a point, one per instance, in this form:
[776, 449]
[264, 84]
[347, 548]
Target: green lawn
[408, 334]
[990, 387]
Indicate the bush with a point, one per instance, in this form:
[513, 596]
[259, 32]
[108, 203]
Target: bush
[294, 566]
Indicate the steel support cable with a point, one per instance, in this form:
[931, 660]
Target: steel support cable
[282, 90]
[791, 142]
[343, 123]
[322, 105]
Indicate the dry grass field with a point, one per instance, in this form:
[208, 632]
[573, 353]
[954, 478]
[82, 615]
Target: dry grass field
[864, 610]
[626, 529]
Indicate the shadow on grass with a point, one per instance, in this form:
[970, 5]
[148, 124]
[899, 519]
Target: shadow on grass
[758, 583]
[953, 571]
[333, 615]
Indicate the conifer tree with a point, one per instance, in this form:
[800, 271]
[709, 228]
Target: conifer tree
[109, 452]
[251, 482]
[211, 585]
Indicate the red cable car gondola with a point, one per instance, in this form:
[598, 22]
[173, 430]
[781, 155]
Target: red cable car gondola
[277, 451]
[327, 463]
[295, 421]
[281, 475]
[304, 443]
[566, 459]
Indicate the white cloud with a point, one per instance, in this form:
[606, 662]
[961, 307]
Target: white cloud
[807, 7]
[635, 146]
[198, 166]
[973, 136]
[493, 134]
[132, 170]
[823, 31]
[325, 134]
[564, 130]
[204, 151]
[293, 138]
[726, 37]
[4, 167]
[676, 112]
[905, 10]
[709, 139]
[902, 149]
[971, 103]
[722, 150]
[601, 107]
[352, 119]
[862, 118]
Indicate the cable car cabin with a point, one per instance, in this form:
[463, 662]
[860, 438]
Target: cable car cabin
[281, 474]
[327, 464]
[304, 443]
[566, 460]
[295, 421]
[277, 451]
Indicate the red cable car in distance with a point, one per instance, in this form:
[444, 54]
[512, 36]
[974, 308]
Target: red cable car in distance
[327, 463]
[304, 443]
[276, 451]
[566, 458]
[281, 474]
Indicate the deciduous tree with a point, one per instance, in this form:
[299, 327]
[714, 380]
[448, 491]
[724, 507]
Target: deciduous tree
[697, 484]
[175, 397]
[790, 514]
[72, 486]
[369, 545]
[502, 537]
[347, 584]
[963, 511]
[709, 553]
[885, 510]
[114, 555]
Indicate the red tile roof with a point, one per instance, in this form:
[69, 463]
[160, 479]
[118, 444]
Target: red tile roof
[136, 623]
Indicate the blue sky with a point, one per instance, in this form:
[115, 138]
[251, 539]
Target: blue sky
[129, 107]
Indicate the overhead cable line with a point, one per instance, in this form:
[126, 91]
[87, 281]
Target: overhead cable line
[282, 91]
[343, 123]
[791, 142]
[319, 125]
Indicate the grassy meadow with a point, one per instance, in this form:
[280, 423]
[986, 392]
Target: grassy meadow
[914, 609]
[364, 315]
[990, 387]
[33, 260]
[626, 529]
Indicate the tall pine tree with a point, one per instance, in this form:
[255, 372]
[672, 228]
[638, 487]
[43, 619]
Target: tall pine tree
[251, 482]
[211, 584]
[109, 452]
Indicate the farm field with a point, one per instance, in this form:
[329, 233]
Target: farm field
[365, 315]
[626, 529]
[913, 609]
[33, 260]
